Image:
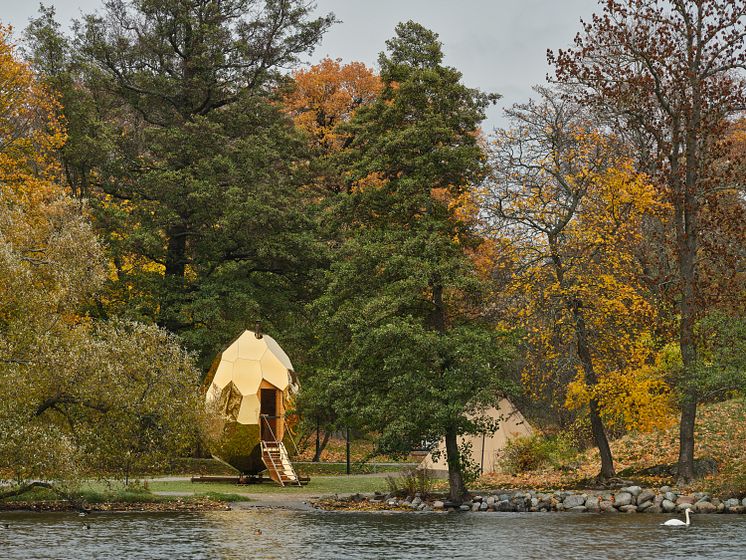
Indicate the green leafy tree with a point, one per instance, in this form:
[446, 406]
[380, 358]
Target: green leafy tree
[195, 182]
[89, 133]
[400, 321]
[77, 396]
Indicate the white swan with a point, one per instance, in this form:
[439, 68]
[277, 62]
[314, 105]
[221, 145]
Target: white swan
[679, 522]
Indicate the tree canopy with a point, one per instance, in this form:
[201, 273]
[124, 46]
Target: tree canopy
[399, 319]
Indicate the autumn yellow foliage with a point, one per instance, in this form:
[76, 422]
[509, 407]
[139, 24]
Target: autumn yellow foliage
[577, 287]
[601, 274]
[30, 130]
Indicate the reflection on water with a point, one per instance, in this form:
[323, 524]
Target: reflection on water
[311, 535]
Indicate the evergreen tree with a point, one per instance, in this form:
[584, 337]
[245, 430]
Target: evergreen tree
[196, 185]
[400, 319]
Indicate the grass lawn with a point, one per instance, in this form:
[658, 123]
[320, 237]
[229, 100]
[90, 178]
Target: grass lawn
[331, 469]
[192, 467]
[318, 485]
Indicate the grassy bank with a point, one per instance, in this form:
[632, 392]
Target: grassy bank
[183, 495]
[97, 497]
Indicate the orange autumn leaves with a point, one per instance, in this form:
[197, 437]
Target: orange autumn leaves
[326, 95]
[30, 131]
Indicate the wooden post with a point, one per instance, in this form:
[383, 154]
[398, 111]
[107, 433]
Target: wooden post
[318, 437]
[481, 463]
[347, 445]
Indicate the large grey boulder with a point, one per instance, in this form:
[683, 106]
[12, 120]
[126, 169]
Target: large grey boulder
[668, 506]
[592, 504]
[684, 500]
[671, 496]
[645, 496]
[577, 509]
[574, 501]
[634, 490]
[732, 502]
[504, 505]
[622, 499]
[629, 508]
[437, 504]
[705, 507]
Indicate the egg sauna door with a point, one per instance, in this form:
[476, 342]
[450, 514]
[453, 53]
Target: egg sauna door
[269, 414]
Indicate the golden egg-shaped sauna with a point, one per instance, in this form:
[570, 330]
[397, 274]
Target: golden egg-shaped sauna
[250, 386]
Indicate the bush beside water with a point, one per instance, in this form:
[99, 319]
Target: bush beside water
[529, 453]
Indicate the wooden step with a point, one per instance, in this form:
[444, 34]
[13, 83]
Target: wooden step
[278, 464]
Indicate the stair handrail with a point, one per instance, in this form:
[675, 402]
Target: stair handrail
[265, 417]
[264, 448]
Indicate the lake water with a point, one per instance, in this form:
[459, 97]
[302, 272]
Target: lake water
[312, 535]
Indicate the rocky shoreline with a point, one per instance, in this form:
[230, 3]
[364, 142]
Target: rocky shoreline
[629, 499]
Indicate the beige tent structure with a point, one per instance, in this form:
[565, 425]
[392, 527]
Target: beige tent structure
[250, 385]
[486, 448]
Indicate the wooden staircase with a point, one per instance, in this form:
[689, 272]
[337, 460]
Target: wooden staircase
[276, 458]
[278, 464]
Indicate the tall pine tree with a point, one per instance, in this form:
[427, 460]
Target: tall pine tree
[400, 320]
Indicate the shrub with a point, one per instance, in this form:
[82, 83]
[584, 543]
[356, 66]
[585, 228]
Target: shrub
[411, 481]
[534, 452]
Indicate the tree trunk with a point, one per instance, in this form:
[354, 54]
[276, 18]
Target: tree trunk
[687, 210]
[453, 457]
[320, 447]
[457, 488]
[686, 441]
[597, 425]
[176, 261]
[688, 359]
[176, 250]
[602, 442]
[584, 355]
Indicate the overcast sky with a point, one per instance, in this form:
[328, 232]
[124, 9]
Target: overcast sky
[499, 45]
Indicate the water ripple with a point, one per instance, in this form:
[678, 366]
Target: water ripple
[323, 535]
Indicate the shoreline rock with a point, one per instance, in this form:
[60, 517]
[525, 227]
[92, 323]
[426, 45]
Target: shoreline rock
[629, 499]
